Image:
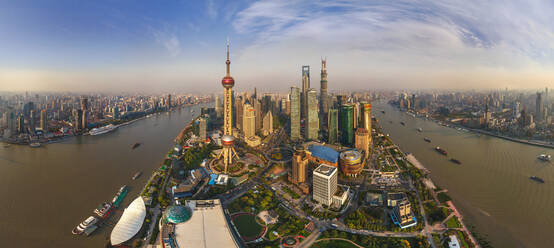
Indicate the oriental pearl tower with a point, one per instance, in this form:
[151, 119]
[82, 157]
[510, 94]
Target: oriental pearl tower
[228, 152]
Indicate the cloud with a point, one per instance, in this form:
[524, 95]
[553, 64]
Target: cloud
[417, 37]
[170, 42]
[211, 9]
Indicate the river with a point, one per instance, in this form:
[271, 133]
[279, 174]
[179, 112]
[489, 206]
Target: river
[491, 188]
[47, 191]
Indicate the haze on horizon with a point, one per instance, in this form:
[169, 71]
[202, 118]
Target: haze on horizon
[141, 46]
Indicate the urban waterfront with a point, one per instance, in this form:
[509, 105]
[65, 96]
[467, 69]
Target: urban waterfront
[491, 187]
[47, 191]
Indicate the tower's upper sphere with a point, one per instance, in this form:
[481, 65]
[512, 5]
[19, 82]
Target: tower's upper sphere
[228, 82]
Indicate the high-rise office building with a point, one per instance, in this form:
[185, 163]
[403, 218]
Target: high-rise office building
[202, 126]
[27, 109]
[218, 107]
[323, 98]
[169, 103]
[228, 152]
[258, 112]
[516, 111]
[84, 113]
[284, 106]
[333, 123]
[346, 124]
[540, 107]
[546, 100]
[366, 120]
[268, 123]
[20, 124]
[305, 88]
[366, 116]
[355, 114]
[11, 122]
[299, 164]
[324, 184]
[249, 121]
[43, 121]
[239, 108]
[362, 141]
[294, 113]
[32, 121]
[312, 120]
[267, 104]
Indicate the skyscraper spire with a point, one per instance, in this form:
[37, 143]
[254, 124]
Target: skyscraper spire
[228, 62]
[228, 81]
[323, 98]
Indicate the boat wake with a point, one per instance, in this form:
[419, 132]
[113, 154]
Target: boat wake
[484, 212]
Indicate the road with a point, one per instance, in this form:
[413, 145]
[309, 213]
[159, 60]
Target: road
[346, 240]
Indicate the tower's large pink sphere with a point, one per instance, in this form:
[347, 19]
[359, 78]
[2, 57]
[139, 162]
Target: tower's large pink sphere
[228, 82]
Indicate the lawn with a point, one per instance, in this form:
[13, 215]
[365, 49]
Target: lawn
[453, 223]
[248, 228]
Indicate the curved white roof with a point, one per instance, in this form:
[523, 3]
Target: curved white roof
[129, 223]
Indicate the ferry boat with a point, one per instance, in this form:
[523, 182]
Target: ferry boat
[427, 139]
[137, 175]
[545, 157]
[135, 145]
[441, 151]
[34, 144]
[103, 210]
[538, 179]
[90, 230]
[102, 130]
[453, 160]
[86, 224]
[419, 129]
[119, 196]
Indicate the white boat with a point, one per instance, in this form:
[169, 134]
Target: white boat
[86, 224]
[545, 157]
[34, 144]
[102, 130]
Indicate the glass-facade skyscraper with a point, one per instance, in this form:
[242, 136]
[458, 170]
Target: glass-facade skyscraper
[305, 88]
[323, 98]
[333, 122]
[312, 120]
[294, 113]
[347, 124]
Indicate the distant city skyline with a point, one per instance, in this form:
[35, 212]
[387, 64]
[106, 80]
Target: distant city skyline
[130, 46]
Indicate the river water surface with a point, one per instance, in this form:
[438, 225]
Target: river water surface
[491, 187]
[45, 192]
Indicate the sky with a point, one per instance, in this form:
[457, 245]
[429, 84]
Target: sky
[179, 46]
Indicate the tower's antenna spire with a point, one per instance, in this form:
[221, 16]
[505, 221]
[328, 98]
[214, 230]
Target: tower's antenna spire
[228, 62]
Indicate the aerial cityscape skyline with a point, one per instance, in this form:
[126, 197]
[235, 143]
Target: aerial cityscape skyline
[351, 123]
[173, 47]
